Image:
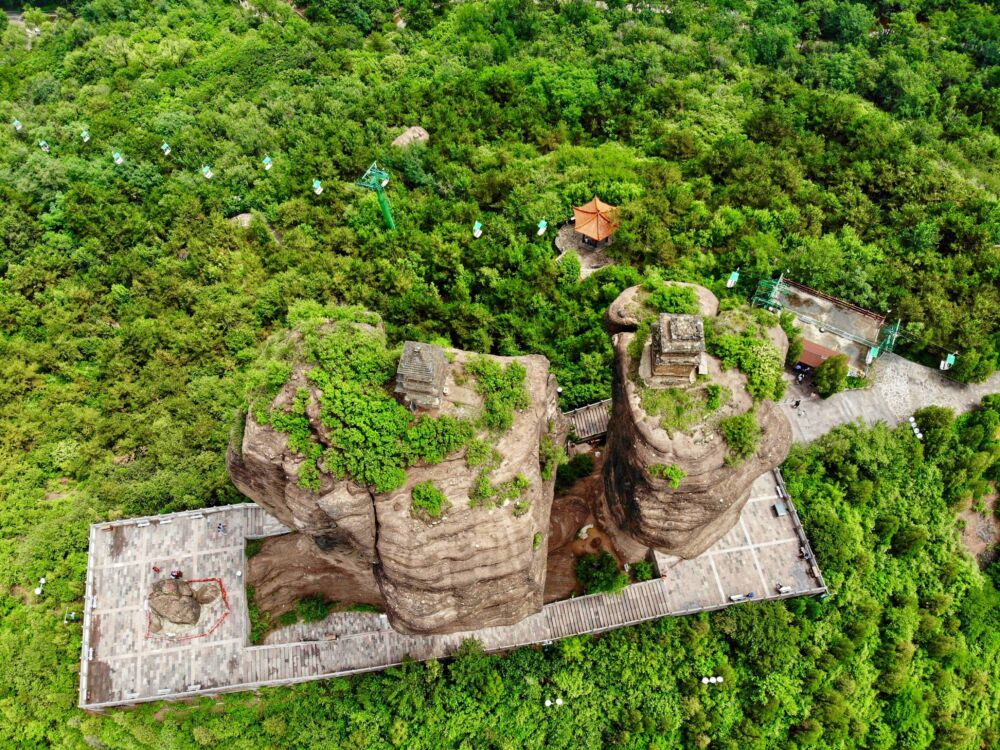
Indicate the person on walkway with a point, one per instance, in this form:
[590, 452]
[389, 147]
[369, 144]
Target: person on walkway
[156, 568]
[175, 574]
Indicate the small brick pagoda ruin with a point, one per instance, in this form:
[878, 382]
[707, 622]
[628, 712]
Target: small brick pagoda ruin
[678, 345]
[421, 374]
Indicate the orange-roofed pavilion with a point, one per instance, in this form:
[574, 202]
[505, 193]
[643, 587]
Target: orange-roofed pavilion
[596, 219]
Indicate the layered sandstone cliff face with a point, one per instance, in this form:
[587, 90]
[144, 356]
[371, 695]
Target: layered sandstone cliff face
[473, 567]
[688, 519]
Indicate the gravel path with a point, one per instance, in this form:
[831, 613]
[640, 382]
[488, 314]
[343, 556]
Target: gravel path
[900, 387]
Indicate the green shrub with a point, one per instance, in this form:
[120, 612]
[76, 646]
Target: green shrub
[716, 396]
[536, 540]
[252, 546]
[551, 456]
[795, 345]
[599, 573]
[642, 571]
[639, 339]
[671, 298]
[795, 348]
[429, 499]
[484, 492]
[581, 465]
[831, 376]
[742, 434]
[313, 608]
[260, 621]
[671, 472]
[482, 453]
[740, 341]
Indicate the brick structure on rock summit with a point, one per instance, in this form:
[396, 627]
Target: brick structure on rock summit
[678, 347]
[421, 374]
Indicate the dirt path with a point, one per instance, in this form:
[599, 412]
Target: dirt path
[571, 511]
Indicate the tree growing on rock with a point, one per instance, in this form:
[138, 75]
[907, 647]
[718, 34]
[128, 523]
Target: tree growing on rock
[831, 376]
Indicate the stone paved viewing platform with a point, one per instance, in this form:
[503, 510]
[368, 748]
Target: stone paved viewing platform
[123, 662]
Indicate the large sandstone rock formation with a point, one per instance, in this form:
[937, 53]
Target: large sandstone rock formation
[175, 602]
[472, 567]
[688, 519]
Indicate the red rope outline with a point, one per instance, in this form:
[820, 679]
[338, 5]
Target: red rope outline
[178, 639]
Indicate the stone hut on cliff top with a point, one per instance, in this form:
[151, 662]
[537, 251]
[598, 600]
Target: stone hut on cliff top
[421, 374]
[678, 344]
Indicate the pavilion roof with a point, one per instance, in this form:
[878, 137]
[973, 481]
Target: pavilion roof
[596, 219]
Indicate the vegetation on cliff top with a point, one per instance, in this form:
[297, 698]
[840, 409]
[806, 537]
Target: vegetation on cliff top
[739, 338]
[369, 436]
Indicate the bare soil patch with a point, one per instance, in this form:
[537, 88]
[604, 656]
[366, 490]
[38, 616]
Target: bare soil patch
[981, 532]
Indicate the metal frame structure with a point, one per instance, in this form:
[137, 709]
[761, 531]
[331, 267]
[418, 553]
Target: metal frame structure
[768, 295]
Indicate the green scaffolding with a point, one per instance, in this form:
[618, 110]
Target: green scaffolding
[768, 295]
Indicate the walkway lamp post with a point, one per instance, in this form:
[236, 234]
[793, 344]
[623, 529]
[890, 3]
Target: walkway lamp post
[375, 179]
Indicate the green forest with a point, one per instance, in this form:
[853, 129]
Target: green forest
[852, 145]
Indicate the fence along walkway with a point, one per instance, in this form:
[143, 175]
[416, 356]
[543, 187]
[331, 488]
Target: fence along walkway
[122, 664]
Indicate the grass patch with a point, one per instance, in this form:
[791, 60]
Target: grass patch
[428, 500]
[679, 409]
[671, 472]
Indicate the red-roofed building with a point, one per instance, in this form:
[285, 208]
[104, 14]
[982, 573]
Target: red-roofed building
[813, 355]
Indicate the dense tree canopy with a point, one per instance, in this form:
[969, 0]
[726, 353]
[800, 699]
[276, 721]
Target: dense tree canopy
[853, 144]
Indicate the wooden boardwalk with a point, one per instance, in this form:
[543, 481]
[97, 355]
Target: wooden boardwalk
[123, 664]
[589, 422]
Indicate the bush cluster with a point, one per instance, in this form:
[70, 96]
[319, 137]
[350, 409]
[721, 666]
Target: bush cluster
[429, 499]
[742, 435]
[599, 573]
